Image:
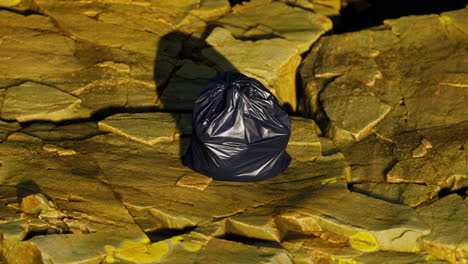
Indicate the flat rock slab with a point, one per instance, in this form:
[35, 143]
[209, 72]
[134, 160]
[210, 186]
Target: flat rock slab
[113, 184]
[398, 124]
[7, 128]
[147, 128]
[85, 247]
[374, 63]
[356, 114]
[397, 227]
[63, 132]
[182, 90]
[277, 70]
[33, 101]
[304, 144]
[405, 193]
[448, 221]
[253, 20]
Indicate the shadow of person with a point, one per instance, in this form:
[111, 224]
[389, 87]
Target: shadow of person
[181, 71]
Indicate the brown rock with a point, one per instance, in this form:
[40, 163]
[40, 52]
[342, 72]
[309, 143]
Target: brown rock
[183, 90]
[304, 144]
[447, 219]
[36, 203]
[33, 101]
[299, 26]
[6, 128]
[276, 72]
[404, 193]
[194, 180]
[147, 128]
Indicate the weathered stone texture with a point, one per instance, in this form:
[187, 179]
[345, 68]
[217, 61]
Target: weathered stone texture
[395, 97]
[93, 102]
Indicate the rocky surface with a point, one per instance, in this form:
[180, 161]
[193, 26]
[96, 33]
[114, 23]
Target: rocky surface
[398, 93]
[94, 108]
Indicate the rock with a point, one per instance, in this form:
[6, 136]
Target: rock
[276, 72]
[33, 101]
[386, 112]
[36, 203]
[447, 219]
[258, 224]
[392, 257]
[406, 193]
[147, 128]
[11, 233]
[194, 180]
[43, 52]
[184, 207]
[185, 87]
[50, 248]
[19, 5]
[51, 132]
[304, 144]
[60, 151]
[6, 128]
[316, 250]
[446, 158]
[212, 9]
[233, 252]
[110, 92]
[299, 26]
[325, 7]
[370, 234]
[390, 97]
[355, 115]
[103, 76]
[370, 159]
[375, 76]
[73, 18]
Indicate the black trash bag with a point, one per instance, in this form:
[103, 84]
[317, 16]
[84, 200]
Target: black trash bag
[240, 131]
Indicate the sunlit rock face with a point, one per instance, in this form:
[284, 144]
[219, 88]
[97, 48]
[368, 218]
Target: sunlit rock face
[396, 100]
[95, 101]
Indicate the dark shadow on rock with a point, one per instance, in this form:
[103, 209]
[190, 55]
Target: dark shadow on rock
[28, 187]
[362, 14]
[166, 233]
[175, 91]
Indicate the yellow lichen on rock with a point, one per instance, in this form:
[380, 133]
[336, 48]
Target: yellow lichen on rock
[190, 246]
[140, 251]
[9, 3]
[329, 180]
[344, 261]
[176, 240]
[364, 241]
[445, 20]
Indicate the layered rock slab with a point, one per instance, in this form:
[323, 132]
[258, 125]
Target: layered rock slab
[380, 64]
[182, 90]
[272, 62]
[448, 221]
[252, 20]
[33, 101]
[304, 144]
[154, 193]
[76, 68]
[400, 133]
[147, 128]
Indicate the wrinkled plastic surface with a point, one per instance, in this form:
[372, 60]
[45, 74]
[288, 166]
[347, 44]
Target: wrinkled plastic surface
[240, 131]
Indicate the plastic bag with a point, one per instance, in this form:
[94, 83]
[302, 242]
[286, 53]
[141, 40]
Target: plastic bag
[240, 131]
